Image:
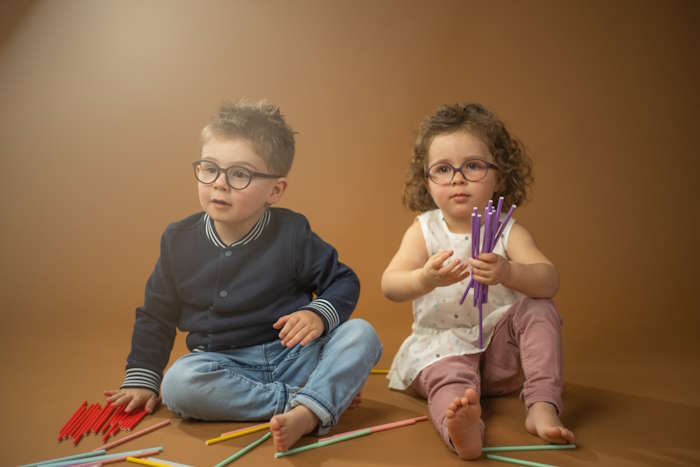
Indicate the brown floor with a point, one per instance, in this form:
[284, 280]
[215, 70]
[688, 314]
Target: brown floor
[50, 376]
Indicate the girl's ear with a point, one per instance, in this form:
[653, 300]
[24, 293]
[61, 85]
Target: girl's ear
[277, 191]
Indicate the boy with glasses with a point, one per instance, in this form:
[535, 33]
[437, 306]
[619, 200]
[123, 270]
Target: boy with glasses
[265, 301]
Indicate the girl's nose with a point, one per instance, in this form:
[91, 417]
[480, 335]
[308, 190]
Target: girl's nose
[459, 179]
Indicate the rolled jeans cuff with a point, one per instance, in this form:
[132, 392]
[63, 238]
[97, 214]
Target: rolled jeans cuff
[315, 405]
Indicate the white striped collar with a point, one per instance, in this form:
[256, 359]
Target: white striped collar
[253, 234]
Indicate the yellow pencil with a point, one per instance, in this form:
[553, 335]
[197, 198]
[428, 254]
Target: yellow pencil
[136, 460]
[263, 425]
[377, 371]
[243, 432]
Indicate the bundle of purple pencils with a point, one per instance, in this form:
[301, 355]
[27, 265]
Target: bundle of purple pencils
[493, 229]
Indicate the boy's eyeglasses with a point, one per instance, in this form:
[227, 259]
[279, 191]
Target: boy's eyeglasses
[473, 170]
[237, 177]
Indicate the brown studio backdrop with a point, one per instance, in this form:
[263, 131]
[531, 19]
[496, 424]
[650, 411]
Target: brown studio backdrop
[102, 103]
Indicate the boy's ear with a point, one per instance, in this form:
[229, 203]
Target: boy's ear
[277, 191]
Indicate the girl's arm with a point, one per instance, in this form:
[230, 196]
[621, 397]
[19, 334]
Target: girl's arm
[526, 270]
[411, 273]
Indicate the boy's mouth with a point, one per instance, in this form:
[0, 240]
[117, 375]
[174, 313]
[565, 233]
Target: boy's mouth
[220, 202]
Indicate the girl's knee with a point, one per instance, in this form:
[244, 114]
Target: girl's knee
[540, 309]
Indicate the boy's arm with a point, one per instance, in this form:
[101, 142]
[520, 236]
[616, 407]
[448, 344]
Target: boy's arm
[411, 273]
[336, 286]
[529, 271]
[154, 328]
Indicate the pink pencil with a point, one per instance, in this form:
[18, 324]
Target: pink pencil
[377, 428]
[134, 435]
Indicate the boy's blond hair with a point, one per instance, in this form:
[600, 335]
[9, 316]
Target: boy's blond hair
[259, 123]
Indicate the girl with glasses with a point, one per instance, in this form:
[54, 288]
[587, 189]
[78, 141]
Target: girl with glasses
[464, 157]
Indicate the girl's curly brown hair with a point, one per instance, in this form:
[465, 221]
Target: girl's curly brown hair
[515, 166]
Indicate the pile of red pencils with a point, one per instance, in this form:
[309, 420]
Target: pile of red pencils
[107, 420]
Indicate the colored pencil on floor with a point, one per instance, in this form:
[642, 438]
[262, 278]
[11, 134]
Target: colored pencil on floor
[152, 463]
[135, 435]
[66, 458]
[106, 458]
[378, 371]
[529, 447]
[238, 433]
[245, 450]
[385, 426]
[247, 429]
[351, 435]
[512, 460]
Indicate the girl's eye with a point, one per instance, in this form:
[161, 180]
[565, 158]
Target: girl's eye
[475, 165]
[443, 169]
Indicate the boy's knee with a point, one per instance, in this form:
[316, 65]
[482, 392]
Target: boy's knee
[177, 386]
[364, 334]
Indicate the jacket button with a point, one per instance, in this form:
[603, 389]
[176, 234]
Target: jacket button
[223, 294]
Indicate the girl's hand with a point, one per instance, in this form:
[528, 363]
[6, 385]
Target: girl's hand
[134, 398]
[490, 269]
[435, 274]
[301, 326]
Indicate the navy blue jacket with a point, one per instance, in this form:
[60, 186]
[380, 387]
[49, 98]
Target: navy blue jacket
[229, 296]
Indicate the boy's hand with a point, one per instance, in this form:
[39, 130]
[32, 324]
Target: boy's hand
[435, 274]
[301, 326]
[490, 268]
[133, 397]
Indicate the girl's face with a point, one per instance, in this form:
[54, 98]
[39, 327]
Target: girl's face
[457, 198]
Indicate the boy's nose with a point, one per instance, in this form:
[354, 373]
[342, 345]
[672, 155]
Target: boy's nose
[221, 183]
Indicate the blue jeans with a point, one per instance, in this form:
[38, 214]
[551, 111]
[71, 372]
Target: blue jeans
[257, 382]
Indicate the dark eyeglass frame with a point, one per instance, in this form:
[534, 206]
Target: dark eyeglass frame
[489, 165]
[251, 173]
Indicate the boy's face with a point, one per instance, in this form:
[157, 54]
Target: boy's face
[458, 198]
[234, 208]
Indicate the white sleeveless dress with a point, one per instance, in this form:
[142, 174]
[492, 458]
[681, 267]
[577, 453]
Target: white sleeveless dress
[441, 326]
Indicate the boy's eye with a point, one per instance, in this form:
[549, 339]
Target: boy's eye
[238, 173]
[208, 169]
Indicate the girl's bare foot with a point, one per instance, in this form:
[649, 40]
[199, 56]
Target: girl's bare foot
[542, 420]
[463, 419]
[288, 427]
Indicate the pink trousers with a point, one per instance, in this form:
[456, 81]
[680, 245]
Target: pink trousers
[524, 354]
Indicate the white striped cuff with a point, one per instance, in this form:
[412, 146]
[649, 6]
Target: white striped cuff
[142, 378]
[326, 310]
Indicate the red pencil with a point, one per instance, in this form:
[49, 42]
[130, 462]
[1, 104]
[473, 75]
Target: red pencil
[115, 416]
[136, 419]
[76, 414]
[109, 408]
[81, 430]
[76, 421]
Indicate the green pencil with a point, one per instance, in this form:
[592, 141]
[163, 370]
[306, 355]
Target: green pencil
[531, 447]
[241, 452]
[512, 460]
[320, 444]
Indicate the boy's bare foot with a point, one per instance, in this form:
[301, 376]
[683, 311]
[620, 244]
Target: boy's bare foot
[463, 419]
[542, 420]
[288, 427]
